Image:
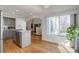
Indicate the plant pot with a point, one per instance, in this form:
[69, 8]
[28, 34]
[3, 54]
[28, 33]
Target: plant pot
[72, 44]
[77, 45]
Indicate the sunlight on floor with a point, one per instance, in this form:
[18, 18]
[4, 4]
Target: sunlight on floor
[68, 47]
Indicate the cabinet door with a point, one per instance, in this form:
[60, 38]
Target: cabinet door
[6, 34]
[18, 35]
[14, 35]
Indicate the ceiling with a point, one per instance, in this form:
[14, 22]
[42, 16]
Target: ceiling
[34, 10]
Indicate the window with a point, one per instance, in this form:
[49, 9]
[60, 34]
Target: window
[64, 23]
[58, 24]
[53, 25]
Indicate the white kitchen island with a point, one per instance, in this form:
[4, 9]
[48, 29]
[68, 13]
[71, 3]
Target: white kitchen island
[23, 38]
[19, 36]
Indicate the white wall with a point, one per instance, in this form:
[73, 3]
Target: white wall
[69, 11]
[20, 23]
[28, 22]
[1, 31]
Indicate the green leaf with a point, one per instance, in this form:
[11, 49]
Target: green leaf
[72, 32]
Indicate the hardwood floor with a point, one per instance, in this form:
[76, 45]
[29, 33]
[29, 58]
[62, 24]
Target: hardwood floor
[37, 46]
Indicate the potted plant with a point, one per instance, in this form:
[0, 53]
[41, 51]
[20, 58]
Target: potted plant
[72, 33]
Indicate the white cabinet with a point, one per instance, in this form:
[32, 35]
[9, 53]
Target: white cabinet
[38, 31]
[9, 22]
[26, 38]
[7, 33]
[23, 38]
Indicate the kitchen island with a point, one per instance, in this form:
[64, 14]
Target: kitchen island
[19, 36]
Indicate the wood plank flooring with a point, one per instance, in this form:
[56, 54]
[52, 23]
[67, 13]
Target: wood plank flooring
[37, 46]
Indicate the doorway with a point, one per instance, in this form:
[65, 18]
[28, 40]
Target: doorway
[34, 24]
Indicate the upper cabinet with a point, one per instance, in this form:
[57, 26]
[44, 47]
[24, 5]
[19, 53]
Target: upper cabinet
[9, 22]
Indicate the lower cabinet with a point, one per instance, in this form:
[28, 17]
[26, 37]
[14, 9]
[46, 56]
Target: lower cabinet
[7, 34]
[23, 39]
[18, 38]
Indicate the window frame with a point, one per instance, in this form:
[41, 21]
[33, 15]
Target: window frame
[53, 33]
